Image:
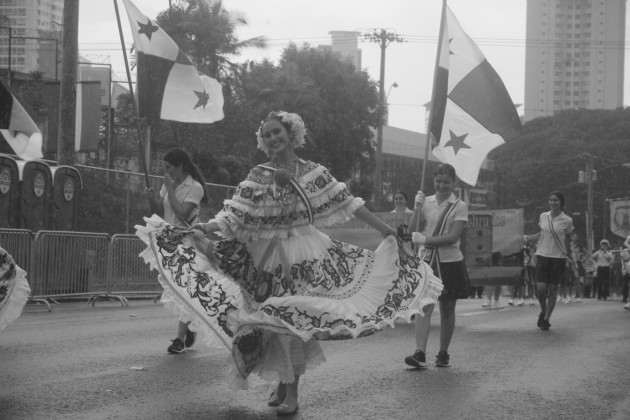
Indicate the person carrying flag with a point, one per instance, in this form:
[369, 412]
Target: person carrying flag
[442, 218]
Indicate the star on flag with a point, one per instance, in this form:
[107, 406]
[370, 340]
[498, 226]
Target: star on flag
[169, 86]
[471, 111]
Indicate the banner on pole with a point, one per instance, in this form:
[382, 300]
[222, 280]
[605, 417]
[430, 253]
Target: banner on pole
[620, 217]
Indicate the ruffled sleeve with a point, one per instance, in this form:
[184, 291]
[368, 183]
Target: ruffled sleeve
[330, 199]
[259, 209]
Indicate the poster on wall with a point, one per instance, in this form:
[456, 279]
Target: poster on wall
[620, 217]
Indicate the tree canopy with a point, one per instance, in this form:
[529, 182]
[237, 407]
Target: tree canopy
[550, 154]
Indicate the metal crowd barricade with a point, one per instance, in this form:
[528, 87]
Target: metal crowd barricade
[70, 264]
[18, 243]
[128, 273]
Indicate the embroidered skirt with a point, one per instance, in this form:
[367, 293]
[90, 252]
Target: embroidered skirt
[14, 289]
[269, 300]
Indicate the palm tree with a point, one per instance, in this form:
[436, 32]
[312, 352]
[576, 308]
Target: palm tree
[206, 32]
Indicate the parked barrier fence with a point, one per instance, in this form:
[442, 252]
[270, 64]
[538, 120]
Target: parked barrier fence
[63, 264]
[18, 243]
[128, 273]
[69, 264]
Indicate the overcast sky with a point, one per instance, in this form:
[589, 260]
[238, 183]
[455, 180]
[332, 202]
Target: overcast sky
[498, 27]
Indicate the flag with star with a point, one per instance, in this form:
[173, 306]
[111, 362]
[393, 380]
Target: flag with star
[471, 111]
[169, 86]
[17, 127]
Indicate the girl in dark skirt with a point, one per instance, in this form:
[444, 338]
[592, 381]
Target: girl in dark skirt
[553, 253]
[443, 218]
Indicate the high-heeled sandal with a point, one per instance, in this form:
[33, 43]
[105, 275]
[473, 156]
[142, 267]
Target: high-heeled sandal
[285, 410]
[274, 399]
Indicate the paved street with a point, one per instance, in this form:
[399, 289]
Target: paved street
[74, 363]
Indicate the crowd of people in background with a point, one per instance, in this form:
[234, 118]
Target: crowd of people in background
[603, 275]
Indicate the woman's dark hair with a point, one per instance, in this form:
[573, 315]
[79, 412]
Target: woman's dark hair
[560, 197]
[403, 194]
[179, 157]
[445, 169]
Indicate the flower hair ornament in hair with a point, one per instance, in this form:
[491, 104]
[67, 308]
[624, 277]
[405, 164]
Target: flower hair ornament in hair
[298, 130]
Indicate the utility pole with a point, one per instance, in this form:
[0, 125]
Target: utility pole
[68, 88]
[588, 174]
[383, 38]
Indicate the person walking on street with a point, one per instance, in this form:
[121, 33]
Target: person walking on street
[181, 195]
[402, 215]
[490, 292]
[625, 258]
[442, 218]
[553, 254]
[276, 285]
[603, 259]
[530, 272]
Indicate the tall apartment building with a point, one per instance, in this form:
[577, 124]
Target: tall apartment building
[35, 27]
[574, 55]
[346, 45]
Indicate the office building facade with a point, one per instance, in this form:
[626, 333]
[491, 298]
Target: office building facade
[574, 55]
[35, 35]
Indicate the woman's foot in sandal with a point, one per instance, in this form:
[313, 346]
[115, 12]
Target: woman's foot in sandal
[277, 396]
[287, 408]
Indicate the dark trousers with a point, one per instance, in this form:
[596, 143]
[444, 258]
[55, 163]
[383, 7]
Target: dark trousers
[603, 283]
[475, 290]
[626, 286]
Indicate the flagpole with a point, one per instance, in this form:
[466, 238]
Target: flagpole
[435, 73]
[134, 105]
[427, 145]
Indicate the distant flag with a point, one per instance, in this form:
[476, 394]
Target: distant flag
[169, 86]
[471, 111]
[17, 127]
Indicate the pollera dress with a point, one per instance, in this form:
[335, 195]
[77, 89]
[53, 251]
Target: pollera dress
[14, 289]
[275, 285]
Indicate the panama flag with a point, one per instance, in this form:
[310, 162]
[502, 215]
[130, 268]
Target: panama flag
[17, 127]
[471, 111]
[169, 86]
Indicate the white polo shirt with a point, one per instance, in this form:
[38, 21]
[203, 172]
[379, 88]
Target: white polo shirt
[189, 191]
[432, 212]
[547, 244]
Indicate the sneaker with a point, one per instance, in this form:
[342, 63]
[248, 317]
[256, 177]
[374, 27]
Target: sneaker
[190, 339]
[176, 347]
[520, 302]
[417, 360]
[442, 359]
[531, 302]
[578, 300]
[511, 302]
[497, 305]
[545, 325]
[627, 307]
[541, 319]
[486, 304]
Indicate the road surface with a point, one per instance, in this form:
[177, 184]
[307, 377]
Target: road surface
[76, 363]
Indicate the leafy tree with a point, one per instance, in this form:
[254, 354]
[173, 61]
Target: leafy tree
[334, 99]
[550, 154]
[205, 31]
